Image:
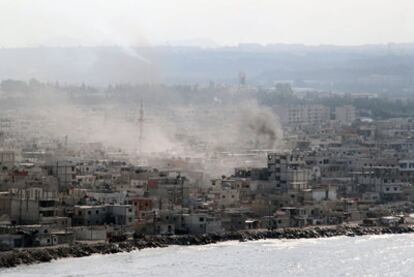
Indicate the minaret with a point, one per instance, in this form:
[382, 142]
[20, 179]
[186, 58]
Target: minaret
[141, 127]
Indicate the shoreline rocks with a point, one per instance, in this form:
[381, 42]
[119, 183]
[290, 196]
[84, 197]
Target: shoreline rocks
[39, 255]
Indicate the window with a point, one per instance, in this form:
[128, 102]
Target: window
[201, 219]
[89, 212]
[97, 212]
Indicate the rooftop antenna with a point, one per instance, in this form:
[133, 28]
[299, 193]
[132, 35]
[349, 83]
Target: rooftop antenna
[141, 127]
[242, 79]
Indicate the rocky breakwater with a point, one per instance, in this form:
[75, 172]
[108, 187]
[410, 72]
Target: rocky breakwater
[46, 254]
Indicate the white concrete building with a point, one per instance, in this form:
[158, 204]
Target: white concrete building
[345, 114]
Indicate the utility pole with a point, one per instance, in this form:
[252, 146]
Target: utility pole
[154, 216]
[182, 193]
[182, 201]
[57, 174]
[66, 181]
[269, 217]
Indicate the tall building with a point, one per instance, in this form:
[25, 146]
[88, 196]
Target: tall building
[31, 205]
[288, 171]
[7, 158]
[303, 114]
[345, 114]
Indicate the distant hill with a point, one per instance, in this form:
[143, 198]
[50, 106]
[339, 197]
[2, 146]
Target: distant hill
[369, 68]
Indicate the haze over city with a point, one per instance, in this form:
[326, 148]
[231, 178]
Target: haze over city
[206, 138]
[25, 23]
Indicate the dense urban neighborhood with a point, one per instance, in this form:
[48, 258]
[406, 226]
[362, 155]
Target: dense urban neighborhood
[206, 138]
[330, 166]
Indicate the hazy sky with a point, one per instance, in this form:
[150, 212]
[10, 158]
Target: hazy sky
[97, 22]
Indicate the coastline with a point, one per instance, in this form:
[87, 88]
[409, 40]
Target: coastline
[46, 254]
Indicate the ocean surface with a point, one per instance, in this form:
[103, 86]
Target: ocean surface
[384, 255]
